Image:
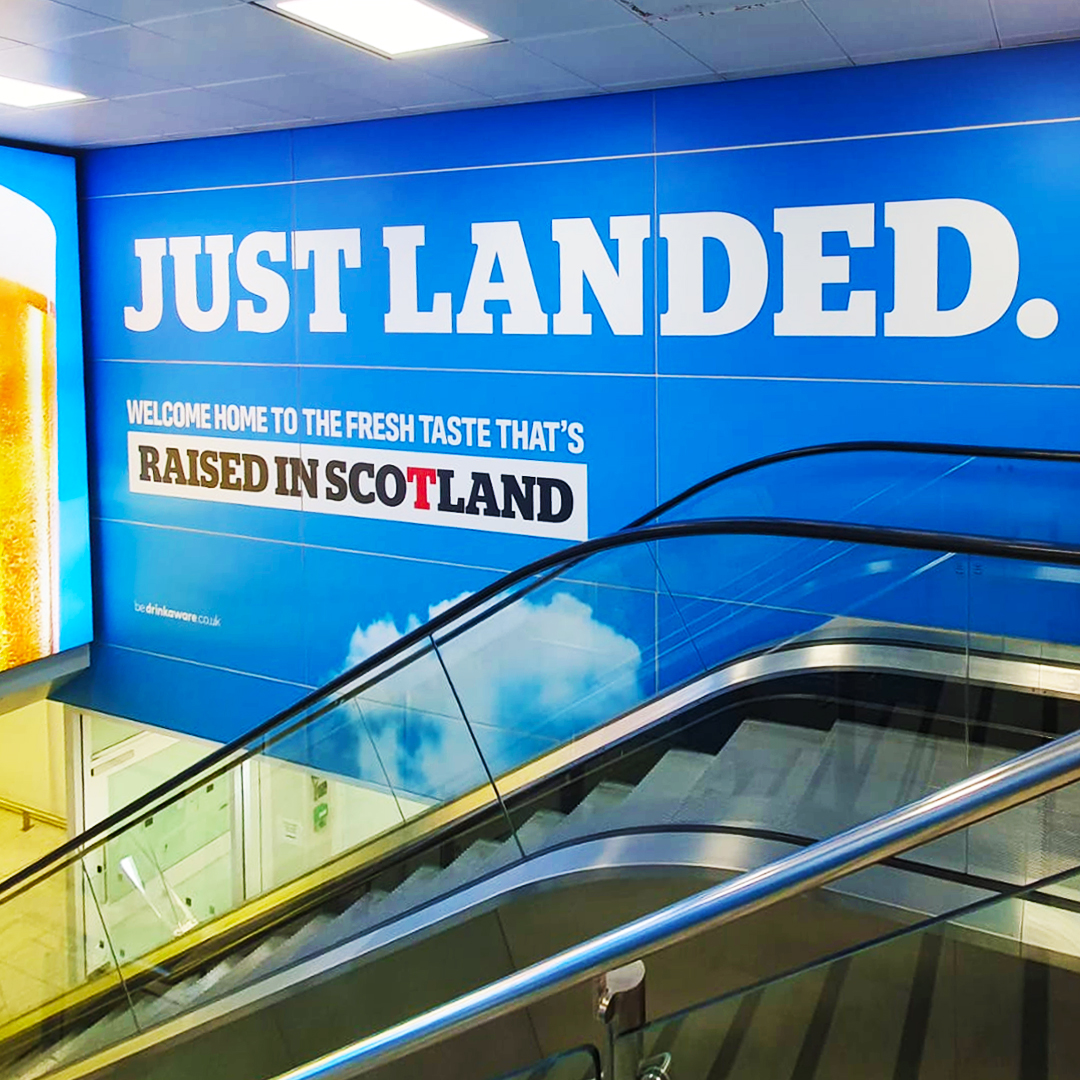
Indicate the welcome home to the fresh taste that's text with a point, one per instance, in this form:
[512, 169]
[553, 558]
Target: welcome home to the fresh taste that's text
[484, 432]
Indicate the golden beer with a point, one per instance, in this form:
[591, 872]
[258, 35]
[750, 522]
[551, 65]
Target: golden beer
[29, 570]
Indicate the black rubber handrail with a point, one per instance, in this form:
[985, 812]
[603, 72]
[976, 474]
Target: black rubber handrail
[872, 446]
[184, 781]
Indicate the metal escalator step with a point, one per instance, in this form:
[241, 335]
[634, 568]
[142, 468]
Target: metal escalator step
[422, 885]
[597, 812]
[310, 929]
[1012, 846]
[328, 934]
[534, 832]
[866, 771]
[913, 760]
[659, 794]
[760, 774]
[152, 1011]
[114, 1027]
[404, 897]
[1053, 839]
[1065, 800]
[1024, 844]
[268, 947]
[353, 917]
[603, 798]
[480, 858]
[273, 952]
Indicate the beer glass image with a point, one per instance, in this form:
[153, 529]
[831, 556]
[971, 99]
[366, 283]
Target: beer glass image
[29, 571]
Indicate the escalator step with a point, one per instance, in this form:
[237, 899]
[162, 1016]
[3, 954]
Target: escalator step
[114, 1027]
[275, 951]
[402, 898]
[663, 789]
[759, 776]
[534, 833]
[348, 924]
[324, 932]
[151, 1011]
[865, 771]
[480, 858]
[882, 768]
[597, 812]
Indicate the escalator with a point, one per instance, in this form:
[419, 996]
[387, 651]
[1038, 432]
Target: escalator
[605, 732]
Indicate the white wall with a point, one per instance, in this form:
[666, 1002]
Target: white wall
[32, 758]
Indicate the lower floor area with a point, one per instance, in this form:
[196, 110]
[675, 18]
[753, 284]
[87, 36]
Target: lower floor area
[264, 821]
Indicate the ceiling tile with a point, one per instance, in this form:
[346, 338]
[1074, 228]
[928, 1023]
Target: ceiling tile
[526, 20]
[86, 122]
[755, 39]
[396, 86]
[212, 109]
[628, 55]
[886, 31]
[136, 11]
[350, 117]
[301, 95]
[242, 42]
[34, 22]
[120, 139]
[500, 70]
[141, 51]
[1021, 21]
[551, 96]
[70, 72]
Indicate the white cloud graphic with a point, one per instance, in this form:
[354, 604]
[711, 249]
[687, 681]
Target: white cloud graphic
[528, 677]
[368, 640]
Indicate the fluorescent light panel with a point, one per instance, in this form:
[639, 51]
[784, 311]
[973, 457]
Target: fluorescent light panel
[392, 27]
[28, 95]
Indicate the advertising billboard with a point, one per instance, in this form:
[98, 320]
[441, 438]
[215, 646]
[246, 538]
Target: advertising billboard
[345, 375]
[45, 603]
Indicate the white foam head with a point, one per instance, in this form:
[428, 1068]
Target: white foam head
[27, 244]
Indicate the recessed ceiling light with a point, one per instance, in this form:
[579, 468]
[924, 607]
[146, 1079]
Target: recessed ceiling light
[391, 27]
[27, 95]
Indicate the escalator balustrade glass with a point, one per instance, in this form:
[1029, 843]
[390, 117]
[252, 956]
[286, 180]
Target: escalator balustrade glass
[992, 991]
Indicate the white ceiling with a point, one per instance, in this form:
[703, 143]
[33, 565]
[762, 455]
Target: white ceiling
[164, 69]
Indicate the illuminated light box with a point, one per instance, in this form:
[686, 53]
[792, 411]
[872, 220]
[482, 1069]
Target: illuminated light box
[45, 604]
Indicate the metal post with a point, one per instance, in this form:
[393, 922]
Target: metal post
[620, 1004]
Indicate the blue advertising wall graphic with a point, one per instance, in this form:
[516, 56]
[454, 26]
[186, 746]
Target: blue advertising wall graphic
[343, 376]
